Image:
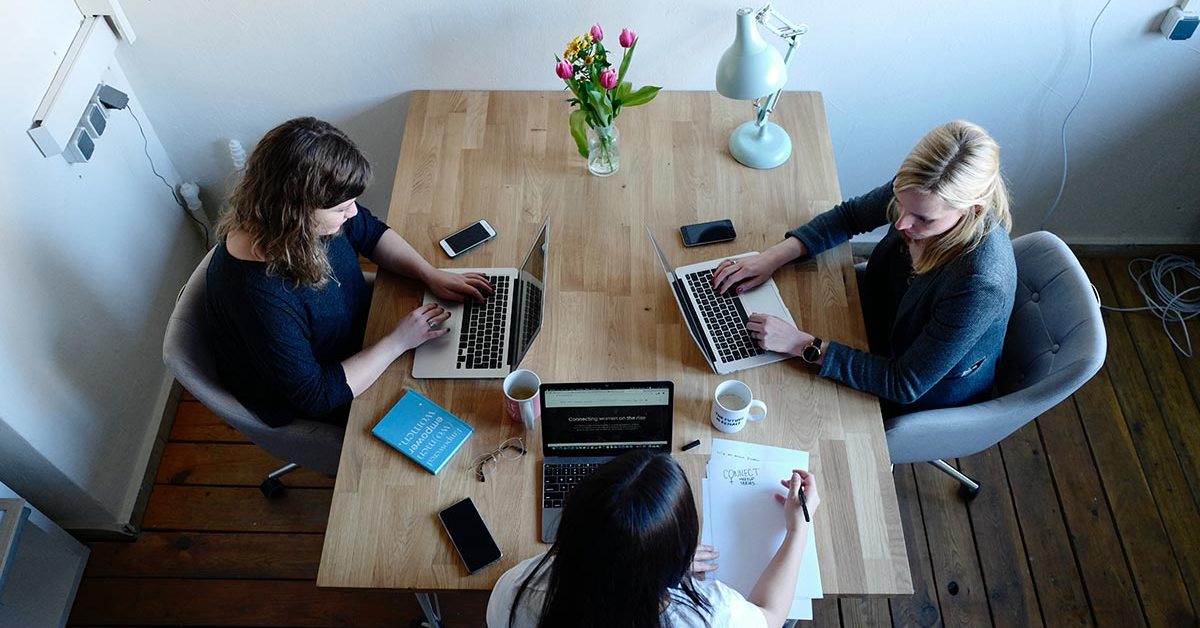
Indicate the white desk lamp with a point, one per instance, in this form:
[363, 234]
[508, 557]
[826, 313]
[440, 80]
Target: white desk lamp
[752, 70]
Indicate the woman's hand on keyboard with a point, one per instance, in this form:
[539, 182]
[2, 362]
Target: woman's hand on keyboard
[747, 272]
[775, 334]
[459, 287]
[420, 326]
[743, 273]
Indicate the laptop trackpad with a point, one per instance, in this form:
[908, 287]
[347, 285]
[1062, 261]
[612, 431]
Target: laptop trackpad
[550, 519]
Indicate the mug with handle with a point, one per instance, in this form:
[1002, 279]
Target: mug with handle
[734, 405]
[521, 397]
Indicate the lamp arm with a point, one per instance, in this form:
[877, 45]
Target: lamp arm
[765, 110]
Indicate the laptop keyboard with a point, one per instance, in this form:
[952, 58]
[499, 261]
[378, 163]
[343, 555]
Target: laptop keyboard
[531, 318]
[481, 344]
[558, 480]
[725, 318]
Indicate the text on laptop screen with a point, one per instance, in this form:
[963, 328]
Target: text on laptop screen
[606, 422]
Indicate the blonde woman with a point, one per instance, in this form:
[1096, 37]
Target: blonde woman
[286, 295]
[938, 289]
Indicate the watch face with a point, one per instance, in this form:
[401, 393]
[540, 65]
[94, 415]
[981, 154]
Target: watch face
[810, 353]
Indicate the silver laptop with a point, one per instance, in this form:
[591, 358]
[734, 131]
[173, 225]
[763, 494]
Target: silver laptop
[717, 322]
[490, 339]
[586, 425]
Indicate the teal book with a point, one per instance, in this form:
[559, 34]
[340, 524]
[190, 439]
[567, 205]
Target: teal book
[423, 431]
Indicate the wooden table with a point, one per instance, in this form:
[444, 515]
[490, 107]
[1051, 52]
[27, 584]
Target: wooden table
[508, 157]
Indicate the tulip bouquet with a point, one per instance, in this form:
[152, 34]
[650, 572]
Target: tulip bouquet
[599, 91]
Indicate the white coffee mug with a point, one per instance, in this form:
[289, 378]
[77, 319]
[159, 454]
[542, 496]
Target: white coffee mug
[521, 397]
[733, 405]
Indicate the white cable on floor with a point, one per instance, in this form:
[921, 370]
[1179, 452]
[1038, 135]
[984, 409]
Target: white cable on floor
[1163, 295]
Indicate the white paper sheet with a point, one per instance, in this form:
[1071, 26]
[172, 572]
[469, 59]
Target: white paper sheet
[747, 524]
[751, 451]
[801, 606]
[732, 533]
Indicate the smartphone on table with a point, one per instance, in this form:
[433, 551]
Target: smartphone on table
[707, 232]
[467, 238]
[470, 535]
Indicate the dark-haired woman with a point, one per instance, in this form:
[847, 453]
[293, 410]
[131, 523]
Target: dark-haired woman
[625, 557]
[286, 294]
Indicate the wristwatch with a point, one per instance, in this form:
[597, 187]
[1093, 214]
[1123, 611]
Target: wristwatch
[812, 352]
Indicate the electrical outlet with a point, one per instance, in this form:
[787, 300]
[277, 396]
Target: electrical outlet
[80, 147]
[94, 120]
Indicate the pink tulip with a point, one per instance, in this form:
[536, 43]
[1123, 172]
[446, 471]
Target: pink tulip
[564, 70]
[597, 32]
[608, 79]
[627, 38]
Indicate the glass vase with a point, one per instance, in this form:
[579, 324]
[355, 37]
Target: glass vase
[604, 150]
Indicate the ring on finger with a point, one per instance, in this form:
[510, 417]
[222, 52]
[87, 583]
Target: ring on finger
[432, 323]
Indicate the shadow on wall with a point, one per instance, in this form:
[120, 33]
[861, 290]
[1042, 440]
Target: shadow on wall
[106, 358]
[378, 131]
[25, 470]
[1110, 177]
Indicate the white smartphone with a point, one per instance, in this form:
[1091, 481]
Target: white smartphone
[468, 238]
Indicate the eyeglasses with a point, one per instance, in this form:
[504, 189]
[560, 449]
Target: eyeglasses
[510, 449]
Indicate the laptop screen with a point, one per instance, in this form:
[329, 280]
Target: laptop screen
[606, 419]
[528, 303]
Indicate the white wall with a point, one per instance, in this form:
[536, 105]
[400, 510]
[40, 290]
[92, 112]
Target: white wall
[93, 255]
[889, 71]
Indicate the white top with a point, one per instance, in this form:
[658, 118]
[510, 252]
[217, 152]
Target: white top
[729, 608]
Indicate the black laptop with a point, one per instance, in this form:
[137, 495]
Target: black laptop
[586, 425]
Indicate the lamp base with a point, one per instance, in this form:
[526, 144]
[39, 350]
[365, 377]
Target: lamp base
[762, 147]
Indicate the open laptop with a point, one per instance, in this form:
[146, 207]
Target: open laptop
[717, 321]
[586, 425]
[490, 339]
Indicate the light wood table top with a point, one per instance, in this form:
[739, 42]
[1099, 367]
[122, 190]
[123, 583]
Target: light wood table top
[508, 157]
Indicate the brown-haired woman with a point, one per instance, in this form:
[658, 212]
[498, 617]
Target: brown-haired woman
[286, 294]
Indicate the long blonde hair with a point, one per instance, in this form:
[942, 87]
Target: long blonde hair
[960, 163]
[298, 167]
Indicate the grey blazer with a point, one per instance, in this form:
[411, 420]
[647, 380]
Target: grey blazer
[937, 345]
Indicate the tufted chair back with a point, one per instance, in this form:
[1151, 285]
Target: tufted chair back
[1055, 343]
[188, 353]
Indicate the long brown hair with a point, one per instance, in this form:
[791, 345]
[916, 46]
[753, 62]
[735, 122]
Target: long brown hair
[960, 163]
[298, 167]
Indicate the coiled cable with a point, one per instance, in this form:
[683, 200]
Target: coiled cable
[1162, 288]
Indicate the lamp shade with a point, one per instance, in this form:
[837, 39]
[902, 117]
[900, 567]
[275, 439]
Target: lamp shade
[750, 68]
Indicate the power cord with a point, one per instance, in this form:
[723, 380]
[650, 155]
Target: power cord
[175, 195]
[1163, 295]
[1063, 184]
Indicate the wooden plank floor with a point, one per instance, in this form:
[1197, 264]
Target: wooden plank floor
[1088, 516]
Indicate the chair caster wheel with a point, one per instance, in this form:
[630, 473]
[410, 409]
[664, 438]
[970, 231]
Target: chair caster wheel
[272, 488]
[967, 493]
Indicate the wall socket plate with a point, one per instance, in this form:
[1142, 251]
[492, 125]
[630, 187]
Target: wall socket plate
[80, 147]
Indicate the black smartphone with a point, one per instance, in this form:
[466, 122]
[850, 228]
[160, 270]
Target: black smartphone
[470, 535]
[707, 232]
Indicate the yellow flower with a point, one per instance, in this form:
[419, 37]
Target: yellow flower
[579, 44]
[588, 59]
[574, 48]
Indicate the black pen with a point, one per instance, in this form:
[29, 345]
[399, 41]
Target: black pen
[691, 445]
[804, 504]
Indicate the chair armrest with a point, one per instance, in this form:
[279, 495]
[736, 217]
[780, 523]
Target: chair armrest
[963, 431]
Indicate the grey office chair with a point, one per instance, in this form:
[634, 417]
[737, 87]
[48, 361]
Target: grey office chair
[187, 352]
[1055, 343]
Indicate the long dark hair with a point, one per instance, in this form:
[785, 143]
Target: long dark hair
[300, 166]
[627, 537]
